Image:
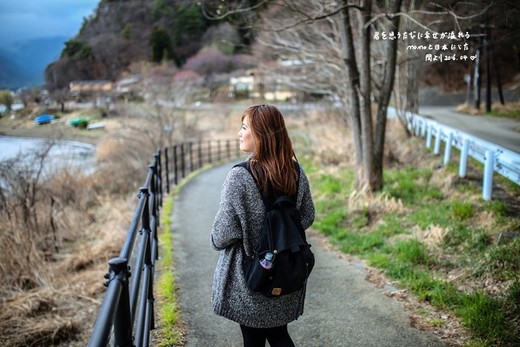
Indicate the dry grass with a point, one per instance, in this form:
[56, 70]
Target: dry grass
[65, 290]
[51, 271]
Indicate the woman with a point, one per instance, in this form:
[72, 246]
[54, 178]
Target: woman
[238, 225]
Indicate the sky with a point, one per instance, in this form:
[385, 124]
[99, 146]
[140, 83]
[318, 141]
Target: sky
[29, 19]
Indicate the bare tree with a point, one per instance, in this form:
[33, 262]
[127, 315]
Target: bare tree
[331, 48]
[165, 118]
[327, 49]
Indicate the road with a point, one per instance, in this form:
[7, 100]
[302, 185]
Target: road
[500, 131]
[342, 308]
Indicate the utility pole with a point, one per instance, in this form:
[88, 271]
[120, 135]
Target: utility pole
[488, 61]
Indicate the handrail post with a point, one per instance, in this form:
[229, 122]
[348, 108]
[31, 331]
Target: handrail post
[200, 153]
[228, 149]
[123, 318]
[175, 167]
[190, 155]
[115, 310]
[158, 177]
[167, 170]
[153, 203]
[183, 162]
[209, 152]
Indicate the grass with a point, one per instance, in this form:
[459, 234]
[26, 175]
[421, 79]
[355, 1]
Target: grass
[170, 330]
[508, 110]
[433, 234]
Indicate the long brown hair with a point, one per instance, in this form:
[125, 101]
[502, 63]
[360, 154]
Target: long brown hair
[271, 162]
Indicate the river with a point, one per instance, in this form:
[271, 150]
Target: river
[62, 154]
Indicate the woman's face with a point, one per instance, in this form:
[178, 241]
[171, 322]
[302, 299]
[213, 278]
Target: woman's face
[247, 142]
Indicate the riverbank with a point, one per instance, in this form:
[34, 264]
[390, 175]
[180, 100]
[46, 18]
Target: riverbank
[59, 130]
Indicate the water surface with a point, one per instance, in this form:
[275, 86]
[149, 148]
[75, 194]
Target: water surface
[61, 153]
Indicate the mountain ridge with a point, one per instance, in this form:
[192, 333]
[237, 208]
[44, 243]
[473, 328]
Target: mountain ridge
[23, 64]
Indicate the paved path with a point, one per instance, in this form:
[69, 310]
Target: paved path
[500, 131]
[342, 308]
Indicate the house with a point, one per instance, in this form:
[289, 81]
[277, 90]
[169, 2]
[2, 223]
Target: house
[90, 87]
[124, 85]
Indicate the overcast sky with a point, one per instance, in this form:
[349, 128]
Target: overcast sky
[28, 19]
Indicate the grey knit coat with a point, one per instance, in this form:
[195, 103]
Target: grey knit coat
[238, 223]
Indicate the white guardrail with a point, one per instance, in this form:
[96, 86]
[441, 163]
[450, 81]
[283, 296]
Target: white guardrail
[494, 157]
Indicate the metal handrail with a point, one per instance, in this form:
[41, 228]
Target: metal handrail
[127, 312]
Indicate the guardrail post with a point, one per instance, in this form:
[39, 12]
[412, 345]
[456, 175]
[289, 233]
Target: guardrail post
[437, 146]
[447, 149]
[417, 127]
[423, 128]
[429, 136]
[487, 185]
[464, 158]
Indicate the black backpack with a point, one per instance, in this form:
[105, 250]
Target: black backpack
[283, 236]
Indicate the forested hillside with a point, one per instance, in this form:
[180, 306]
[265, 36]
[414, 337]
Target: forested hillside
[121, 32]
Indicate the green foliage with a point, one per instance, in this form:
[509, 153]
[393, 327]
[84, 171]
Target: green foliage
[502, 260]
[6, 98]
[189, 19]
[169, 312]
[161, 9]
[420, 268]
[510, 113]
[483, 315]
[411, 251]
[84, 24]
[409, 185]
[431, 214]
[127, 31]
[189, 26]
[359, 243]
[161, 44]
[330, 222]
[498, 207]
[461, 210]
[74, 48]
[328, 184]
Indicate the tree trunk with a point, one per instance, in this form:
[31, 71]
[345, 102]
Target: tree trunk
[412, 94]
[364, 97]
[384, 99]
[347, 47]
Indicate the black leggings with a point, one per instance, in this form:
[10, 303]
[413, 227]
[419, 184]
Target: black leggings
[256, 337]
